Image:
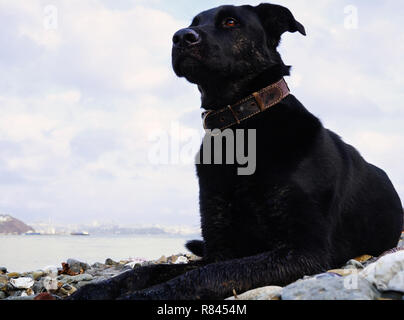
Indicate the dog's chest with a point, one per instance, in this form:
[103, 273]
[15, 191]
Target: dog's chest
[253, 208]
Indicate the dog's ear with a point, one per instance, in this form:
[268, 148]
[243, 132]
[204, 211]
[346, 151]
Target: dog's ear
[277, 20]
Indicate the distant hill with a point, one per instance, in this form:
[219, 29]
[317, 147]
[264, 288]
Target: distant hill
[10, 225]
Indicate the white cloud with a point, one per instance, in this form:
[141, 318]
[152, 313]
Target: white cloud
[24, 126]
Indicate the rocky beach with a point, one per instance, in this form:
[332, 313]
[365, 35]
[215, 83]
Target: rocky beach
[362, 278]
[56, 283]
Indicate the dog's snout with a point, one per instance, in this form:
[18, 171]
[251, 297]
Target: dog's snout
[186, 38]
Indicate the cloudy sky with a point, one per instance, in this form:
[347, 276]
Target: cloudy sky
[86, 89]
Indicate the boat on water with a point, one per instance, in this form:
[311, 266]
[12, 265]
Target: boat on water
[79, 234]
[32, 233]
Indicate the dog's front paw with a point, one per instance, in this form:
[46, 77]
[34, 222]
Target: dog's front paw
[94, 291]
[108, 289]
[137, 296]
[158, 292]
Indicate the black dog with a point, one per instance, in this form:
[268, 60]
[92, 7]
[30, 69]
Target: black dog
[313, 202]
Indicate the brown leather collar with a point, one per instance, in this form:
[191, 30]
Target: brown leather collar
[254, 104]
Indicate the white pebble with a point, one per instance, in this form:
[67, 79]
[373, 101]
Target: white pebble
[22, 283]
[181, 259]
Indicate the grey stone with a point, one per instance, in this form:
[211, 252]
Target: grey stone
[2, 295]
[110, 262]
[77, 279]
[94, 272]
[50, 283]
[102, 273]
[352, 287]
[77, 266]
[387, 273]
[15, 293]
[38, 287]
[51, 271]
[36, 275]
[21, 298]
[67, 287]
[9, 287]
[265, 293]
[67, 292]
[98, 265]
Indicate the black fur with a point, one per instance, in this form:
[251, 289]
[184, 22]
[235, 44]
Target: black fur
[313, 202]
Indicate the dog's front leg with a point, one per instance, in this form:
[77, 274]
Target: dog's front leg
[131, 281]
[219, 280]
[216, 221]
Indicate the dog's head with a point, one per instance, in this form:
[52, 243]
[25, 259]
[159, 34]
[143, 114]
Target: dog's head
[231, 42]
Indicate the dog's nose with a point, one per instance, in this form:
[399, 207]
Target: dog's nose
[186, 38]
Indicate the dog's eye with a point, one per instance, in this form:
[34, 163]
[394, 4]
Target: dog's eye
[230, 22]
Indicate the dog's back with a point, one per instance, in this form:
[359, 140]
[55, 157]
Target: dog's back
[371, 214]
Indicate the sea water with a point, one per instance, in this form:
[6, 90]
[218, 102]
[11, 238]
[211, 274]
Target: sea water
[29, 253]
